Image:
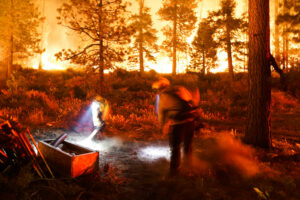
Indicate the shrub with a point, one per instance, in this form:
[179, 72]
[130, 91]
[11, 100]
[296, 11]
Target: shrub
[28, 105]
[283, 102]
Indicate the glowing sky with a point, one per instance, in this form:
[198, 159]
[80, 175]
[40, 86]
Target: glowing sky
[57, 37]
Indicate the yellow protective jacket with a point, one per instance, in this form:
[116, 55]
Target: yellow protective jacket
[100, 112]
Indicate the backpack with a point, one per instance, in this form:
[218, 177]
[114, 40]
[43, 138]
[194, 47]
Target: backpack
[191, 99]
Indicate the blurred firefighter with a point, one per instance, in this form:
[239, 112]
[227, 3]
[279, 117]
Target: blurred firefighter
[177, 112]
[100, 111]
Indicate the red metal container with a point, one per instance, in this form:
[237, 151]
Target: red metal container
[69, 159]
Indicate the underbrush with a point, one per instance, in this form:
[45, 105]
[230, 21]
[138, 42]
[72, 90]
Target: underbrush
[283, 102]
[103, 184]
[40, 98]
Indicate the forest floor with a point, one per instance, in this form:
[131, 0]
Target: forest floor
[135, 165]
[134, 157]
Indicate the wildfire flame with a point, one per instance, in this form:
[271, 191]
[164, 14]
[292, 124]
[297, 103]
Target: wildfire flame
[48, 62]
[222, 62]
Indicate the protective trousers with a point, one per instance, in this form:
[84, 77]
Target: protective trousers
[180, 133]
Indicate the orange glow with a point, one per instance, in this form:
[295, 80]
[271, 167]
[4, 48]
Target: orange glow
[57, 38]
[163, 65]
[49, 62]
[222, 62]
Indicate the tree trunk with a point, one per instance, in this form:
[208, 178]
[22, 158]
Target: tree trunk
[284, 32]
[10, 57]
[11, 44]
[42, 39]
[40, 62]
[141, 52]
[287, 52]
[258, 131]
[283, 50]
[101, 58]
[276, 36]
[245, 54]
[203, 62]
[229, 51]
[174, 41]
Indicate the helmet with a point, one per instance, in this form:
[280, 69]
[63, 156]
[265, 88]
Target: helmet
[99, 98]
[161, 83]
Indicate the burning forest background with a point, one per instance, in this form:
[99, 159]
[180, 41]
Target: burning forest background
[57, 56]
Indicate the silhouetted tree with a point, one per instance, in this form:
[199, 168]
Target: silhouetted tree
[19, 23]
[258, 131]
[183, 18]
[276, 31]
[144, 34]
[101, 24]
[229, 28]
[289, 21]
[204, 51]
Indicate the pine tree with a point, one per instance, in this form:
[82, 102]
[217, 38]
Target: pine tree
[289, 21]
[229, 28]
[204, 51]
[276, 31]
[19, 23]
[102, 27]
[144, 36]
[183, 18]
[258, 131]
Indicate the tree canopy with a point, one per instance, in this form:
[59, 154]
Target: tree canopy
[144, 36]
[19, 29]
[291, 18]
[183, 18]
[228, 28]
[204, 51]
[102, 26]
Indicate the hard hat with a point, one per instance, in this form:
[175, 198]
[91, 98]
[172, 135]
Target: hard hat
[99, 98]
[161, 83]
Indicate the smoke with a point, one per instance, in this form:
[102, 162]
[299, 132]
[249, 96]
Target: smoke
[151, 153]
[55, 37]
[223, 155]
[104, 145]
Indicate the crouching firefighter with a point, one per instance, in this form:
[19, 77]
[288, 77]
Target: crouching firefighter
[100, 111]
[177, 108]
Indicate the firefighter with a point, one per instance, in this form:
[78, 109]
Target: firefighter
[100, 111]
[176, 115]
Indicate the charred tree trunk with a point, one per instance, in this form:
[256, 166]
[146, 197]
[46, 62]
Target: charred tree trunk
[101, 58]
[174, 67]
[141, 51]
[203, 62]
[258, 131]
[284, 49]
[276, 36]
[285, 40]
[42, 33]
[287, 52]
[10, 59]
[245, 54]
[229, 50]
[279, 71]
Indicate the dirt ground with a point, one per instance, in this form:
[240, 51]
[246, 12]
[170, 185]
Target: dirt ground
[134, 165]
[222, 168]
